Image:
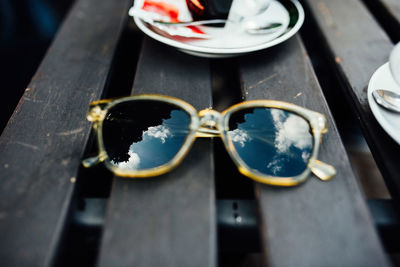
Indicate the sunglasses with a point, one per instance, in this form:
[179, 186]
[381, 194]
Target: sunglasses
[272, 142]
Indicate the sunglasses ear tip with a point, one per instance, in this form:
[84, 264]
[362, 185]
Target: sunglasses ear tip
[91, 161]
[322, 170]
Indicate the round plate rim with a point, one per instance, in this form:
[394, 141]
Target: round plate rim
[377, 111]
[225, 51]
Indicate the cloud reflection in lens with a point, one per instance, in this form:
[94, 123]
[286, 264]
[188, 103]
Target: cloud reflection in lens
[271, 141]
[141, 135]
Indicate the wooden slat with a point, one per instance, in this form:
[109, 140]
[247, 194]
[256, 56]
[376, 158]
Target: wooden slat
[358, 50]
[317, 223]
[43, 143]
[393, 7]
[167, 220]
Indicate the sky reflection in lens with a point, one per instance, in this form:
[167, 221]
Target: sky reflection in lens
[141, 135]
[271, 141]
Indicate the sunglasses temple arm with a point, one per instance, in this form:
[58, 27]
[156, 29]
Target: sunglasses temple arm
[322, 170]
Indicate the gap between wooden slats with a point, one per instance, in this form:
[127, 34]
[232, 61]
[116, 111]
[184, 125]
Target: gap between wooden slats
[387, 14]
[43, 143]
[167, 220]
[317, 223]
[356, 51]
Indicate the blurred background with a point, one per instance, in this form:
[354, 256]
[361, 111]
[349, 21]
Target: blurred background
[27, 28]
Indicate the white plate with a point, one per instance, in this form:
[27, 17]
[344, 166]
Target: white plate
[230, 41]
[390, 121]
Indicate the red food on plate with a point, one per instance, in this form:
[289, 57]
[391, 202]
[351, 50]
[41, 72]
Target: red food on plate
[168, 10]
[162, 8]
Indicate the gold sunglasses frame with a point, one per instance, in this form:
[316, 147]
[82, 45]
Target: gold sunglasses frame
[211, 123]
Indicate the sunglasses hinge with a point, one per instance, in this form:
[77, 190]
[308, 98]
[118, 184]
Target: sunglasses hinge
[96, 113]
[319, 124]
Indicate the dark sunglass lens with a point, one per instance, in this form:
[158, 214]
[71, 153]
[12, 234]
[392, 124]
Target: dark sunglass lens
[144, 134]
[271, 141]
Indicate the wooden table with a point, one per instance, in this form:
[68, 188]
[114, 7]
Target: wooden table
[55, 213]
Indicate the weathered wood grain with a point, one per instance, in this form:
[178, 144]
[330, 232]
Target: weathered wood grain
[167, 220]
[43, 143]
[357, 50]
[317, 223]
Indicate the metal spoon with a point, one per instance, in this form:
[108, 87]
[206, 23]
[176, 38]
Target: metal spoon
[251, 27]
[387, 99]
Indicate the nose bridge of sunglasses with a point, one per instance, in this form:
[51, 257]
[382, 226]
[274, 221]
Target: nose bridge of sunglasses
[210, 121]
